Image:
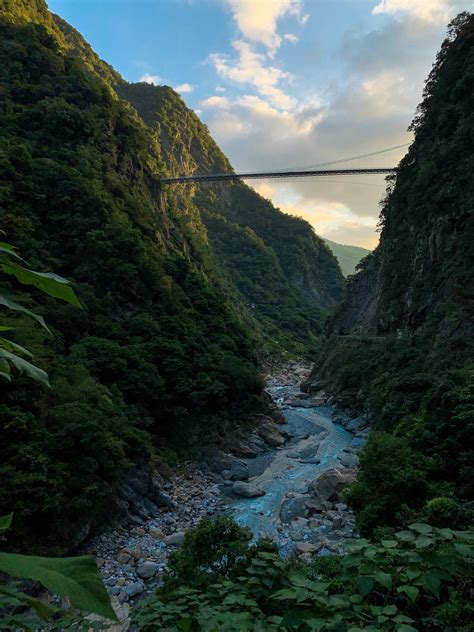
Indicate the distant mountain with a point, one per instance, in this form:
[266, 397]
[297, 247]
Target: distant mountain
[347, 256]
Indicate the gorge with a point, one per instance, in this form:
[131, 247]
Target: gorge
[222, 367]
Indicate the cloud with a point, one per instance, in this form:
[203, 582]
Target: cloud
[366, 107]
[184, 87]
[153, 79]
[429, 10]
[257, 19]
[290, 37]
[220, 88]
[250, 68]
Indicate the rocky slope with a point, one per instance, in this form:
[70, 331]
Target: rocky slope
[402, 341]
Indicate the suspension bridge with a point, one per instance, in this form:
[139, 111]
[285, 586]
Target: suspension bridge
[305, 171]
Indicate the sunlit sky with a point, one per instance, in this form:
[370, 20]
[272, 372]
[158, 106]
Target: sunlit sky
[285, 83]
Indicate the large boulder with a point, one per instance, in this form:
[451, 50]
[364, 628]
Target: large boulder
[247, 490]
[270, 435]
[293, 508]
[330, 483]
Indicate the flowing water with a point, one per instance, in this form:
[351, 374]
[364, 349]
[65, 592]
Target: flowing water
[315, 444]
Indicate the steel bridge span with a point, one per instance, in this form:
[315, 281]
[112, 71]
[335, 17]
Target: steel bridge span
[306, 173]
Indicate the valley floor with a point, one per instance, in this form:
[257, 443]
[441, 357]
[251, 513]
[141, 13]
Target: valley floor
[290, 493]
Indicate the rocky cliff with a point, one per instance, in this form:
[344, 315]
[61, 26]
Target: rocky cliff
[421, 271]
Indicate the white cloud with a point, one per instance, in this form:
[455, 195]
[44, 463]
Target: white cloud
[220, 88]
[184, 87]
[153, 79]
[290, 37]
[215, 102]
[250, 68]
[429, 10]
[257, 19]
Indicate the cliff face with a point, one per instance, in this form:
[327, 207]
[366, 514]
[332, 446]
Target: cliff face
[421, 271]
[283, 272]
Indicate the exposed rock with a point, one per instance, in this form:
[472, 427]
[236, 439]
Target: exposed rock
[349, 460]
[271, 436]
[134, 589]
[147, 569]
[247, 490]
[292, 508]
[157, 533]
[175, 539]
[306, 547]
[329, 484]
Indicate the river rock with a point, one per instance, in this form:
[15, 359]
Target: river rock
[134, 589]
[329, 484]
[356, 424]
[239, 471]
[175, 539]
[306, 547]
[350, 460]
[247, 490]
[358, 442]
[271, 436]
[123, 556]
[293, 508]
[146, 570]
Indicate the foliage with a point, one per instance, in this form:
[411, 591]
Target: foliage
[402, 343]
[74, 578]
[416, 580]
[215, 548]
[48, 283]
[159, 351]
[349, 257]
[277, 268]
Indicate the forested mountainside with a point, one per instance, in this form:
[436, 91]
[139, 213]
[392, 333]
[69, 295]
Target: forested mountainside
[283, 271]
[348, 257]
[157, 350]
[403, 338]
[165, 345]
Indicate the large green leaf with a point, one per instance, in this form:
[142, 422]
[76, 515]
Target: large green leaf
[9, 250]
[5, 522]
[48, 282]
[12, 347]
[25, 367]
[73, 577]
[7, 299]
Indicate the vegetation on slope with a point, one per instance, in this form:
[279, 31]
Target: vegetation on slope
[348, 257]
[157, 347]
[419, 579]
[294, 276]
[404, 342]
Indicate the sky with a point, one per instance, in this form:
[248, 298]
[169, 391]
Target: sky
[285, 83]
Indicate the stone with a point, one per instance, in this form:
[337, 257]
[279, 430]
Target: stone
[306, 547]
[356, 424]
[330, 483]
[146, 570]
[134, 589]
[123, 556]
[358, 442]
[157, 534]
[315, 505]
[239, 471]
[271, 436]
[349, 460]
[292, 508]
[175, 539]
[247, 490]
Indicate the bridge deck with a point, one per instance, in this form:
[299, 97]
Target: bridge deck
[276, 174]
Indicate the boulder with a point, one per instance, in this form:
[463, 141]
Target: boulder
[271, 436]
[330, 483]
[292, 508]
[356, 424]
[349, 460]
[306, 547]
[247, 490]
[175, 539]
[146, 570]
[134, 589]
